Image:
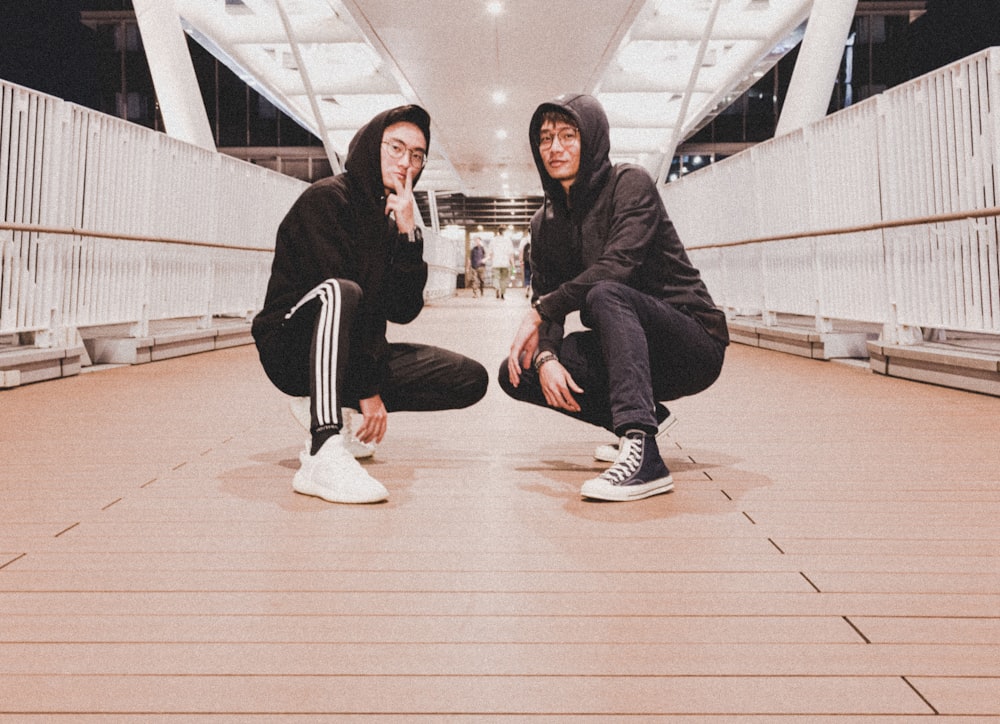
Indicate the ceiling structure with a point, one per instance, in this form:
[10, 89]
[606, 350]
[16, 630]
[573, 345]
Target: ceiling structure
[661, 68]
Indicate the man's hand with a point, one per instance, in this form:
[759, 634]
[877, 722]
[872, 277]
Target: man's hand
[401, 203]
[558, 386]
[522, 349]
[376, 419]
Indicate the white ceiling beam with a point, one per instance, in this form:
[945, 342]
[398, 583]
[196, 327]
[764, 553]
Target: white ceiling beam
[621, 81]
[675, 137]
[320, 129]
[688, 28]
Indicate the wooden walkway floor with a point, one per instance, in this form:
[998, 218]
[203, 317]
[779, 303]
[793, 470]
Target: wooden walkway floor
[831, 552]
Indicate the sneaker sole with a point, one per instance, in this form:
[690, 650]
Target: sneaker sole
[359, 451]
[624, 493]
[307, 487]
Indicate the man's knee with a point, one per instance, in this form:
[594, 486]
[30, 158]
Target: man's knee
[603, 296]
[603, 292]
[503, 377]
[350, 292]
[527, 389]
[474, 382]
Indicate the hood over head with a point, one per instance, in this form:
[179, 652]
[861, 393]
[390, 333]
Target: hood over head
[595, 147]
[364, 154]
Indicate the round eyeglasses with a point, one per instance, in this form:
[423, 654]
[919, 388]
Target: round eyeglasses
[397, 150]
[567, 137]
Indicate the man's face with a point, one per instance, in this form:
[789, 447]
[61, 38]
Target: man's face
[406, 141]
[559, 146]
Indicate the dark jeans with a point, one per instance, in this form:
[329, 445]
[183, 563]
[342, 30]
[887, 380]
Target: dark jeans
[310, 355]
[638, 350]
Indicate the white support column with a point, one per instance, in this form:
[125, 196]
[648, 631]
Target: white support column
[677, 134]
[817, 65]
[432, 204]
[173, 73]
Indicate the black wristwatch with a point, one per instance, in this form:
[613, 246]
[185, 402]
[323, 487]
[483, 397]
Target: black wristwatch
[414, 234]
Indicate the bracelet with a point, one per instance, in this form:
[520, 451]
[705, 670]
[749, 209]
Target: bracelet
[544, 357]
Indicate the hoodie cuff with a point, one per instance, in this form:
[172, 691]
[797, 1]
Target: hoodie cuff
[410, 252]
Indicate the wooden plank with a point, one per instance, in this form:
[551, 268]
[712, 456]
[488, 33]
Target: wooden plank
[320, 694]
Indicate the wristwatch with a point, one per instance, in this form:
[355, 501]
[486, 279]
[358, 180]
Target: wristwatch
[414, 234]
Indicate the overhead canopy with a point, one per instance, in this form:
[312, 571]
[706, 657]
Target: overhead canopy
[661, 68]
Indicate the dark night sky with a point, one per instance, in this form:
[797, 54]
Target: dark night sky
[951, 30]
[46, 48]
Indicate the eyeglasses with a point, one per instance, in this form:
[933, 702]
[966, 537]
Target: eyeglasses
[567, 137]
[397, 150]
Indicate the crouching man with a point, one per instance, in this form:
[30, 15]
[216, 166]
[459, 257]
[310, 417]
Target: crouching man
[603, 245]
[348, 258]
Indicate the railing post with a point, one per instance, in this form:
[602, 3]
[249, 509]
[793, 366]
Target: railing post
[823, 324]
[205, 322]
[904, 334]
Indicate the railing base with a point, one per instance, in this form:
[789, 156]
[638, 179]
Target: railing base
[803, 339]
[946, 365]
[165, 344]
[971, 364]
[24, 365]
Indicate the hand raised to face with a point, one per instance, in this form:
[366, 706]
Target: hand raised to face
[400, 203]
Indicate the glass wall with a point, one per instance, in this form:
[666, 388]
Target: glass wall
[875, 58]
[238, 115]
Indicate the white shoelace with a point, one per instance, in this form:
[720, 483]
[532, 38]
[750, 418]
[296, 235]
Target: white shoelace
[627, 464]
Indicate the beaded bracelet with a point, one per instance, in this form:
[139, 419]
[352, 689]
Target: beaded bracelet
[544, 357]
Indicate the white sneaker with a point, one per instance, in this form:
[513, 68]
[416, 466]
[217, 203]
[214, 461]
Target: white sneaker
[609, 453]
[303, 415]
[334, 475]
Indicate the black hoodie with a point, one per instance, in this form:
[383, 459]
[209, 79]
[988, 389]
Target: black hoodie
[613, 227]
[338, 229]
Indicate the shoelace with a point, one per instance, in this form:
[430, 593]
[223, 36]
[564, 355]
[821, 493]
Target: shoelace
[627, 464]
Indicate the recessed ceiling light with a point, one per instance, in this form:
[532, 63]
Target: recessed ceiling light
[499, 97]
[502, 134]
[494, 8]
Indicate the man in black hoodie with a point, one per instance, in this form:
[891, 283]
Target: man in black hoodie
[603, 245]
[348, 258]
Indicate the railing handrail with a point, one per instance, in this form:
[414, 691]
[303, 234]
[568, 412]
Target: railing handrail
[74, 231]
[876, 226]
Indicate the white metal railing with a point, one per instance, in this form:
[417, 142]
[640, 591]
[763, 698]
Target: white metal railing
[103, 222]
[885, 212]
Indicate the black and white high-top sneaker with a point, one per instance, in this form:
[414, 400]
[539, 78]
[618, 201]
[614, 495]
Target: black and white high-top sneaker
[609, 453]
[639, 472]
